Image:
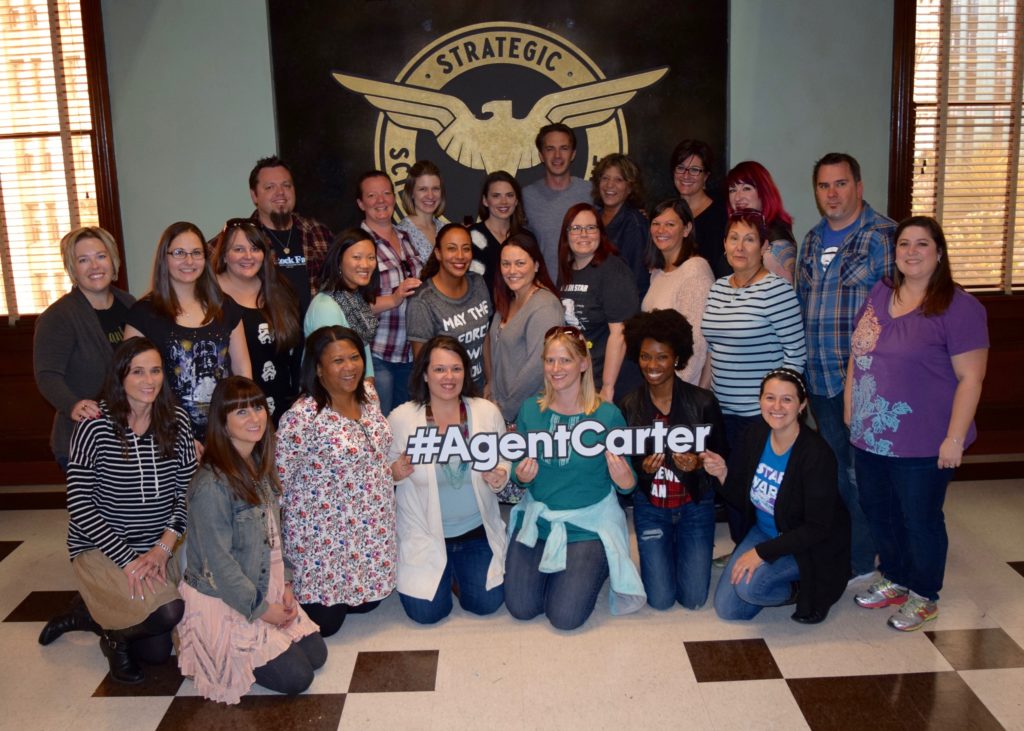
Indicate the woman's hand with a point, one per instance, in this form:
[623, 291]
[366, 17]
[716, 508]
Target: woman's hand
[951, 453]
[652, 463]
[199, 448]
[280, 615]
[686, 461]
[147, 570]
[401, 468]
[744, 567]
[85, 409]
[619, 471]
[496, 478]
[608, 393]
[526, 470]
[714, 465]
[407, 287]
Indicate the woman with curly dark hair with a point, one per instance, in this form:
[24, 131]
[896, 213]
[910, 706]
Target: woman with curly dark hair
[674, 505]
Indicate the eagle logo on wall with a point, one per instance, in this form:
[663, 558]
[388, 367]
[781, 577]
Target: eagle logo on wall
[497, 140]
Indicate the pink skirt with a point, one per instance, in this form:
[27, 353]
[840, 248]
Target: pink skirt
[218, 648]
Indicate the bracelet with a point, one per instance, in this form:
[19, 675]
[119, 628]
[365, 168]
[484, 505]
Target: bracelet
[164, 546]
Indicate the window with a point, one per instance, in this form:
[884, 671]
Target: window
[48, 170]
[964, 133]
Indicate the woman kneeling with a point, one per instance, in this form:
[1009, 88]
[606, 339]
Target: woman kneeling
[242, 623]
[783, 475]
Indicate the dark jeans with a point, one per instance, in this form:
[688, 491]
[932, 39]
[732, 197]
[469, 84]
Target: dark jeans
[330, 617]
[468, 561]
[771, 584]
[735, 427]
[902, 498]
[291, 672]
[828, 413]
[675, 550]
[391, 380]
[567, 597]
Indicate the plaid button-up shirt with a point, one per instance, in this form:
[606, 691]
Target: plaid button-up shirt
[831, 298]
[391, 343]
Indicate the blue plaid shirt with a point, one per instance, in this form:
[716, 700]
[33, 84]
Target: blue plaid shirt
[831, 298]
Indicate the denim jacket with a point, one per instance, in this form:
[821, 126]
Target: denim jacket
[228, 551]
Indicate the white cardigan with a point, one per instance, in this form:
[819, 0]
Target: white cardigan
[421, 550]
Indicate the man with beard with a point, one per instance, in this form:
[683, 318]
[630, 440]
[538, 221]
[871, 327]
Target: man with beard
[300, 244]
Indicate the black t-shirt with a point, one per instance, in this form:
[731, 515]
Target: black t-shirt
[276, 372]
[112, 321]
[292, 263]
[195, 358]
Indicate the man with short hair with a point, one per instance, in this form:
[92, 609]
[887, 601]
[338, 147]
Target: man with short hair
[300, 244]
[546, 201]
[842, 258]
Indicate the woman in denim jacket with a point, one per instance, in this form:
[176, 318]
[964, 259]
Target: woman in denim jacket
[242, 623]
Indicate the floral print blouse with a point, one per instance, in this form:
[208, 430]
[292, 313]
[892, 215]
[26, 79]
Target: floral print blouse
[338, 508]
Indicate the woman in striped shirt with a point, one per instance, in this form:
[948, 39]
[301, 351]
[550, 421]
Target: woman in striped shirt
[752, 325]
[127, 476]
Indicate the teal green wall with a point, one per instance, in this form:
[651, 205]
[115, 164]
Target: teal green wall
[192, 103]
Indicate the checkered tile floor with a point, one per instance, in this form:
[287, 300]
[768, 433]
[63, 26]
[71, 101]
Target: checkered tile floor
[674, 669]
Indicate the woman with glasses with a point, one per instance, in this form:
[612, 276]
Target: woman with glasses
[680, 278]
[525, 306]
[618, 193]
[339, 496]
[399, 264]
[423, 200]
[691, 166]
[195, 327]
[569, 533]
[450, 533]
[751, 186]
[598, 293]
[244, 265]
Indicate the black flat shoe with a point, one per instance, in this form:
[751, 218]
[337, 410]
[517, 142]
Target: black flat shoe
[812, 617]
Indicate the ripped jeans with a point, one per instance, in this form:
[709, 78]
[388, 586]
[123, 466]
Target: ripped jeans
[675, 550]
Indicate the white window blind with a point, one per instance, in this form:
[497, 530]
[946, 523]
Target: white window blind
[47, 181]
[967, 104]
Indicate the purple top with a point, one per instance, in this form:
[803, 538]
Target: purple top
[903, 379]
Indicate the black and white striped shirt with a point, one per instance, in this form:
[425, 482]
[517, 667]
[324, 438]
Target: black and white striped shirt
[750, 331]
[121, 505]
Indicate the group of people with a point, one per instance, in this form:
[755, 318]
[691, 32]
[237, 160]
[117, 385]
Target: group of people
[254, 407]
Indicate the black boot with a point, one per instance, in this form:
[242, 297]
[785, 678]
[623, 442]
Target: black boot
[76, 619]
[123, 668]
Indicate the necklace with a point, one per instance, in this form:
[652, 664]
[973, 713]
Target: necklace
[760, 269]
[286, 245]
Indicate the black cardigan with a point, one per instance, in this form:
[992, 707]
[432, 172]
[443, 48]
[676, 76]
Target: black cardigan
[690, 405]
[813, 523]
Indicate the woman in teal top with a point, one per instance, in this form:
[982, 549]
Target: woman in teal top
[350, 286]
[569, 532]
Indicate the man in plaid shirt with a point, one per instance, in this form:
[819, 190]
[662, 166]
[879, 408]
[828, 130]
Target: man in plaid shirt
[842, 258]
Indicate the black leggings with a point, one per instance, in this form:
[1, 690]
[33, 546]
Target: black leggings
[150, 640]
[291, 672]
[330, 617]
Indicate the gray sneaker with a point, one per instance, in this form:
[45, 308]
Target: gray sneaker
[883, 593]
[914, 613]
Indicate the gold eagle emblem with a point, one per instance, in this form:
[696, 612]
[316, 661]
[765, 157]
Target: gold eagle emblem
[497, 140]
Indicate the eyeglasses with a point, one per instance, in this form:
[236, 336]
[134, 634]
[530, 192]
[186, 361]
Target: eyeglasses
[181, 254]
[577, 230]
[692, 170]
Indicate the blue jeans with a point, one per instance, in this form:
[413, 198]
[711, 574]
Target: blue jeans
[771, 584]
[392, 383]
[675, 550]
[468, 561]
[828, 412]
[567, 597]
[902, 498]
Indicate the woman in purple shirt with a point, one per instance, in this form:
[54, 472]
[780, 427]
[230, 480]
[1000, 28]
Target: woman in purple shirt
[918, 357]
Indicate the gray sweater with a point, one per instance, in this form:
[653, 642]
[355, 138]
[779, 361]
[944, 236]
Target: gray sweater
[545, 208]
[516, 348]
[70, 355]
